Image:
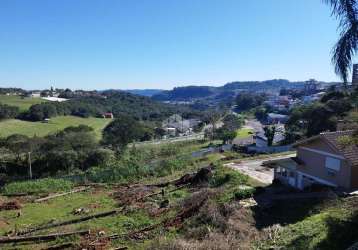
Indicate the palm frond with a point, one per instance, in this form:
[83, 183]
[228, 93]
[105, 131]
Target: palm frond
[344, 9]
[344, 50]
[347, 13]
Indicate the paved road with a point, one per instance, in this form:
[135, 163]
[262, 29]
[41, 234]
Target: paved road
[198, 136]
[255, 170]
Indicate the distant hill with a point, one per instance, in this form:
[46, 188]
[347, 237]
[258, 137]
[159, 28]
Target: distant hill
[229, 90]
[144, 92]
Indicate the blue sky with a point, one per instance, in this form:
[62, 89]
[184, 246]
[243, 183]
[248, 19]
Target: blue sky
[162, 43]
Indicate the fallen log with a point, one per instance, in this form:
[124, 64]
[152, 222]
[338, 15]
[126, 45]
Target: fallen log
[60, 246]
[68, 222]
[162, 192]
[62, 194]
[40, 237]
[175, 221]
[135, 233]
[18, 194]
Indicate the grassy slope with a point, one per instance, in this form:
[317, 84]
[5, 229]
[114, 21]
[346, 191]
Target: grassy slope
[330, 225]
[100, 200]
[14, 126]
[244, 133]
[22, 103]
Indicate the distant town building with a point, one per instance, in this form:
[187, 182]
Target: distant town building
[261, 139]
[170, 131]
[273, 118]
[54, 99]
[311, 86]
[108, 115]
[180, 124]
[34, 94]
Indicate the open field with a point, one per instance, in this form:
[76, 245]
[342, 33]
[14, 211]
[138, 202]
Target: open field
[244, 133]
[23, 103]
[14, 126]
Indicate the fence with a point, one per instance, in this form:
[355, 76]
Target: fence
[174, 139]
[270, 150]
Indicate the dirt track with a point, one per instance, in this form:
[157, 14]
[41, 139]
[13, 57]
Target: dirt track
[255, 170]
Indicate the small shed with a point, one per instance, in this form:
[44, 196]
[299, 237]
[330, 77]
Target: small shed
[108, 115]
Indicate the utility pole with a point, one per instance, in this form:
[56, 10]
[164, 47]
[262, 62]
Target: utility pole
[30, 168]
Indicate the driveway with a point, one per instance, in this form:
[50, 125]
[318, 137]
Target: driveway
[255, 170]
[254, 125]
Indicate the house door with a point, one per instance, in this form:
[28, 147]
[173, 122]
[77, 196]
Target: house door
[300, 181]
[292, 179]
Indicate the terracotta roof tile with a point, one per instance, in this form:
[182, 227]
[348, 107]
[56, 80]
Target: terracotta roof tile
[350, 152]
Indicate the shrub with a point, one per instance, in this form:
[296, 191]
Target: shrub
[244, 193]
[46, 185]
[136, 163]
[224, 175]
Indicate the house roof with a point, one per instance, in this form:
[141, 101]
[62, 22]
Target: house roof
[278, 137]
[350, 152]
[277, 116]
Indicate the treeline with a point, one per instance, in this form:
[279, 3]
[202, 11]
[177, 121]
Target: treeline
[75, 151]
[118, 103]
[68, 150]
[246, 100]
[8, 112]
[312, 119]
[4, 91]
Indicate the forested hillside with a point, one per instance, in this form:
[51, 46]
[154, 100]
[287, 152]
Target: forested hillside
[190, 93]
[118, 103]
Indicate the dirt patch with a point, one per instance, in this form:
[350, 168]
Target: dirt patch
[3, 223]
[10, 205]
[190, 207]
[224, 227]
[96, 240]
[129, 195]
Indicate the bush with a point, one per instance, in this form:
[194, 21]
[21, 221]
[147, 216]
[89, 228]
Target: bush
[244, 193]
[138, 163]
[46, 185]
[224, 175]
[8, 112]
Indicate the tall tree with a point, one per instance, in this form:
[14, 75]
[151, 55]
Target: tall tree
[270, 134]
[232, 122]
[122, 131]
[347, 46]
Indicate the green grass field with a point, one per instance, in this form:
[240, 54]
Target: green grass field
[23, 103]
[14, 126]
[244, 133]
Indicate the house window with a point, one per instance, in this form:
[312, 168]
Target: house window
[331, 172]
[333, 164]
